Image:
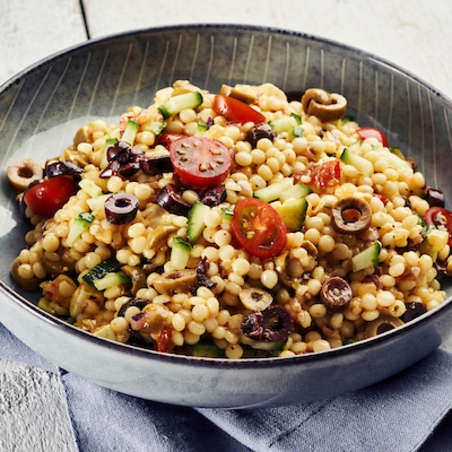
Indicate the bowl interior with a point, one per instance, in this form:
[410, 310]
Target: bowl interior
[42, 108]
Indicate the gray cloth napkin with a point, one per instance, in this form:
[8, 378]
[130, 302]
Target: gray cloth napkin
[400, 414]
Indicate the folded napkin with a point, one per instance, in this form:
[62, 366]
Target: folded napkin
[400, 414]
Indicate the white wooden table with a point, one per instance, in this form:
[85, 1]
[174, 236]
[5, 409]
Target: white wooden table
[409, 33]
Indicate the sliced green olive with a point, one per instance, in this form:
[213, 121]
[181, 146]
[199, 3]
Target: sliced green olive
[255, 299]
[179, 281]
[351, 216]
[137, 276]
[23, 172]
[381, 325]
[326, 106]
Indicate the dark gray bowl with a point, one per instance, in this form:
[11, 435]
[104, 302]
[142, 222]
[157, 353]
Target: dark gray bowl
[41, 108]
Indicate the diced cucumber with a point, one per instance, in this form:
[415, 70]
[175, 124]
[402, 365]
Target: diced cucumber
[273, 191]
[101, 270]
[290, 124]
[195, 224]
[81, 222]
[293, 212]
[97, 205]
[155, 127]
[363, 165]
[111, 280]
[110, 142]
[178, 103]
[366, 258]
[90, 187]
[180, 253]
[202, 126]
[297, 191]
[227, 213]
[204, 349]
[130, 132]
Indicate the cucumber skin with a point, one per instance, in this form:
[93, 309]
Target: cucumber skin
[178, 103]
[130, 132]
[274, 191]
[195, 224]
[297, 191]
[100, 270]
[293, 212]
[360, 163]
[370, 256]
[180, 253]
[81, 222]
[111, 280]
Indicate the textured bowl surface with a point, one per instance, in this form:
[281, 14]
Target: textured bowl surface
[42, 108]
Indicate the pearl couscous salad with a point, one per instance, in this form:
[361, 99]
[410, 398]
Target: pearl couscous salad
[244, 224]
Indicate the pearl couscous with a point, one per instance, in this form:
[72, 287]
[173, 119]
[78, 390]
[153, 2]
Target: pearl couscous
[240, 225]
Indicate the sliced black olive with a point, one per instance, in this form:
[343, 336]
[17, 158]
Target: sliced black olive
[259, 131]
[252, 325]
[351, 216]
[277, 325]
[435, 197]
[157, 165]
[213, 196]
[441, 268]
[111, 169]
[121, 208]
[172, 201]
[413, 310]
[201, 273]
[336, 294]
[381, 325]
[138, 302]
[62, 169]
[116, 149]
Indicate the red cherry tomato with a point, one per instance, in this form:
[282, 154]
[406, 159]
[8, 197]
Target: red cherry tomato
[440, 218]
[200, 161]
[370, 132]
[47, 197]
[167, 138]
[259, 228]
[235, 110]
[326, 174]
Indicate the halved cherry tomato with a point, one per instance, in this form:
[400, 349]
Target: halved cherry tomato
[167, 138]
[47, 197]
[235, 110]
[440, 218]
[200, 161]
[326, 174]
[259, 228]
[370, 132]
